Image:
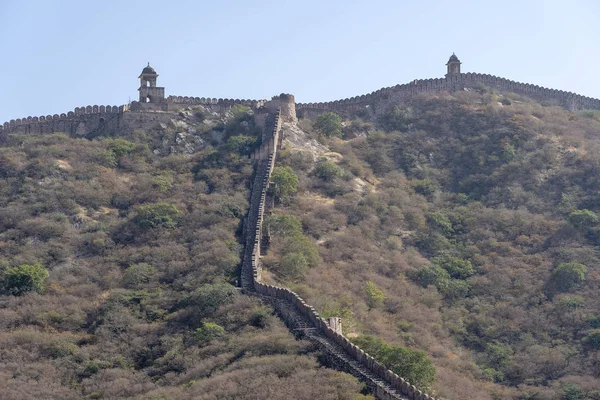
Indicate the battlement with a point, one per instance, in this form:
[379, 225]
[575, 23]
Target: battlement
[457, 81]
[94, 120]
[207, 101]
[79, 122]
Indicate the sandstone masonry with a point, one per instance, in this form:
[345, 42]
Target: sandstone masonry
[90, 121]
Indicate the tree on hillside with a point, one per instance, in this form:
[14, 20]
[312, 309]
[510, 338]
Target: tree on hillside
[240, 144]
[584, 219]
[330, 124]
[285, 182]
[328, 170]
[155, 215]
[25, 278]
[412, 365]
[567, 276]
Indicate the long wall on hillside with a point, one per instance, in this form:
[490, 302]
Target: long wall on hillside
[381, 98]
[101, 120]
[251, 274]
[207, 101]
[83, 121]
[106, 120]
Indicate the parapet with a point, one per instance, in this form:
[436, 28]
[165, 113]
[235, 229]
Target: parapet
[207, 101]
[90, 116]
[568, 100]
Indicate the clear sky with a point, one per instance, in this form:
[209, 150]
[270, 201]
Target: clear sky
[57, 55]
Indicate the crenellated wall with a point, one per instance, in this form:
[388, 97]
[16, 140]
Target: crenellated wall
[83, 121]
[385, 384]
[205, 101]
[398, 93]
[97, 120]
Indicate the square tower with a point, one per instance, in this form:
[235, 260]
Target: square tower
[149, 92]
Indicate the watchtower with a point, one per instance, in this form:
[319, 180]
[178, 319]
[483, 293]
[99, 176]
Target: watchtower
[149, 92]
[453, 65]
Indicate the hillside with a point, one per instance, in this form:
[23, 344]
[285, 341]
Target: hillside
[455, 234]
[464, 225]
[139, 237]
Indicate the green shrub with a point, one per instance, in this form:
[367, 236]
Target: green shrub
[240, 144]
[330, 124]
[439, 222]
[328, 170]
[117, 148]
[567, 276]
[397, 119]
[594, 321]
[24, 278]
[138, 274]
[431, 275]
[426, 187]
[283, 225]
[567, 302]
[208, 298]
[572, 391]
[303, 245]
[412, 365]
[260, 318]
[285, 182]
[497, 354]
[592, 340]
[163, 183]
[433, 243]
[157, 215]
[209, 331]
[454, 288]
[375, 296]
[60, 348]
[293, 265]
[457, 268]
[584, 219]
[240, 115]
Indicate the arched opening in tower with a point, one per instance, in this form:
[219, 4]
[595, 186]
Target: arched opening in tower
[148, 99]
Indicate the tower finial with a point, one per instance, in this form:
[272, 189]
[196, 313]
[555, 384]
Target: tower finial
[149, 61]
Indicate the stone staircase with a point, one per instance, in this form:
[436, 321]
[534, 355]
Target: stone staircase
[302, 319]
[336, 356]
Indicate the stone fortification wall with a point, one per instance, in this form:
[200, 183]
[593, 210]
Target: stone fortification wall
[206, 101]
[568, 100]
[284, 105]
[82, 121]
[385, 384]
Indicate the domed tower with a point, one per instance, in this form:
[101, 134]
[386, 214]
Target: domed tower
[149, 92]
[453, 65]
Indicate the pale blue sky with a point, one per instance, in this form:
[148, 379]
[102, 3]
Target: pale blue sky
[57, 55]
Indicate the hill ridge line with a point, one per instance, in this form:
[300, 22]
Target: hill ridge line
[67, 122]
[569, 100]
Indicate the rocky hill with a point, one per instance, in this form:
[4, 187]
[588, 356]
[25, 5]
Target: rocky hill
[465, 225]
[454, 233]
[119, 258]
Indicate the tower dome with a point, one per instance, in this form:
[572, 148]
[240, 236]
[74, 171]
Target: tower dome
[148, 70]
[453, 65]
